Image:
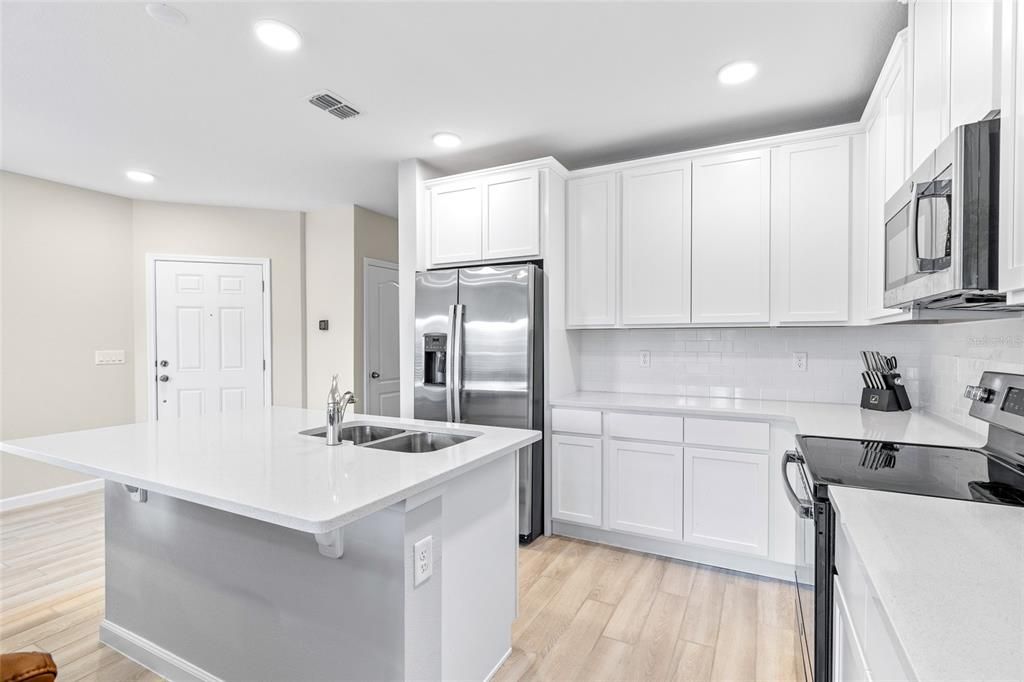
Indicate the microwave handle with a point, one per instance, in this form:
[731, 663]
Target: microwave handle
[804, 508]
[920, 192]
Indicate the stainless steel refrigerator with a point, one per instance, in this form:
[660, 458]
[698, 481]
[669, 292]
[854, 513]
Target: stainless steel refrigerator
[480, 360]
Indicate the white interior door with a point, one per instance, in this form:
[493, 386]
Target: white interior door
[209, 346]
[380, 327]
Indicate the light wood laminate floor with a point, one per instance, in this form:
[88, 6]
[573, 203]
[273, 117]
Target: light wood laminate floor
[586, 611]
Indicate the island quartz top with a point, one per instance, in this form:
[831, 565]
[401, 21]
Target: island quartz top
[255, 463]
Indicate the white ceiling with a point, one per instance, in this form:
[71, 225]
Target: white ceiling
[91, 89]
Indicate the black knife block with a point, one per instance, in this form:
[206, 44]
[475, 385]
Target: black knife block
[892, 398]
[883, 400]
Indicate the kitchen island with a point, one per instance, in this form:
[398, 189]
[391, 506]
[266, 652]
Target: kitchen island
[239, 547]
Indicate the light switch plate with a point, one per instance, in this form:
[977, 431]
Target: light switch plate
[645, 359]
[423, 560]
[110, 357]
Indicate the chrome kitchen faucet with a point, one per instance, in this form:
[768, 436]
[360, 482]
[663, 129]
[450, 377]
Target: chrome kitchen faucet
[336, 405]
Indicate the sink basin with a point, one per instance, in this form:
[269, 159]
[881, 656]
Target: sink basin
[357, 435]
[421, 441]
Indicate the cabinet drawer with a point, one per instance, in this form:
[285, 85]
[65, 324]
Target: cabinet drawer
[576, 421]
[646, 427]
[727, 434]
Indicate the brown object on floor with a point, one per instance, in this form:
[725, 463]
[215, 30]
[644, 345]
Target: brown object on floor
[27, 666]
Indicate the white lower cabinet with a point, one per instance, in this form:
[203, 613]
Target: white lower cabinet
[576, 464]
[645, 489]
[726, 496]
[848, 664]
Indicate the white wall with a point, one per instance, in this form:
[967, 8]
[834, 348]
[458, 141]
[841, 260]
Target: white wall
[937, 361]
[64, 276]
[376, 236]
[188, 229]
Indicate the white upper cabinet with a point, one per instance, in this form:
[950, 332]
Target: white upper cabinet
[456, 219]
[592, 251]
[810, 231]
[491, 216]
[656, 244]
[929, 50]
[731, 218]
[954, 67]
[511, 226]
[893, 111]
[1011, 207]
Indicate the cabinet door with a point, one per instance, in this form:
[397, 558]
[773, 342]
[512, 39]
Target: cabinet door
[456, 220]
[512, 215]
[656, 244]
[894, 113]
[731, 225]
[645, 489]
[726, 496]
[576, 479]
[972, 61]
[592, 242]
[929, 50]
[811, 231]
[848, 664]
[1011, 208]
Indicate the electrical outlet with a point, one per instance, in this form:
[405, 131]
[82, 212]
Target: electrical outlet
[110, 357]
[799, 362]
[423, 559]
[645, 359]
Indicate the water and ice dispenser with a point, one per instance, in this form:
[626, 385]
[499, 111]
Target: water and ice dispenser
[435, 358]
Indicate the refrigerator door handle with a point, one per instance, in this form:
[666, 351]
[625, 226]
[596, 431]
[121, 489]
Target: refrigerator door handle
[455, 378]
[449, 366]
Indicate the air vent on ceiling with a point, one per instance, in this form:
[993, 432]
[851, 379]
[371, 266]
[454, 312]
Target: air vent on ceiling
[332, 104]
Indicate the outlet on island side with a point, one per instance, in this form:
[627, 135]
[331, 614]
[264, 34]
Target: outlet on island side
[799, 362]
[645, 359]
[423, 560]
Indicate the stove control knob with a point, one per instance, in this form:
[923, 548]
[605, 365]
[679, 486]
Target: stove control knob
[981, 394]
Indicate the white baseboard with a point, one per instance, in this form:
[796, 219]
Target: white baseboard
[151, 656]
[495, 669]
[50, 494]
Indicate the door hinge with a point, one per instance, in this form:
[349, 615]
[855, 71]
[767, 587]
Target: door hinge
[264, 365]
[263, 285]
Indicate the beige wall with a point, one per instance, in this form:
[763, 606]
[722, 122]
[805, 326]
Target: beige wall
[376, 236]
[337, 241]
[191, 230]
[329, 246]
[66, 263]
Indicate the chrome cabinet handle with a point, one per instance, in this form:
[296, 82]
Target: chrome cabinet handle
[804, 508]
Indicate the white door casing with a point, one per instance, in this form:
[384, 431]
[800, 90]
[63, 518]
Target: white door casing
[209, 335]
[380, 338]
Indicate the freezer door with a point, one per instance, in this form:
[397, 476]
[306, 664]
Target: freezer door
[497, 345]
[436, 293]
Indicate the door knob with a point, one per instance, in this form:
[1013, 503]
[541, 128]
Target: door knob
[164, 363]
[164, 378]
[375, 374]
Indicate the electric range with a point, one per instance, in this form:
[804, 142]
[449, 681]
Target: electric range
[991, 474]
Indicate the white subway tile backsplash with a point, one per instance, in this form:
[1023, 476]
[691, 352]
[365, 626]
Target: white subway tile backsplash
[936, 361]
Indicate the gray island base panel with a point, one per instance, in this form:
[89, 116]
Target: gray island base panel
[196, 593]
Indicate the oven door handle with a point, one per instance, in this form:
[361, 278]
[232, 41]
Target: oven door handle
[804, 508]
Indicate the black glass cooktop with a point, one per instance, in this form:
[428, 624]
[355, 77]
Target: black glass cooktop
[915, 469]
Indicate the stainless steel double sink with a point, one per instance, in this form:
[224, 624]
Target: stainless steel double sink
[396, 440]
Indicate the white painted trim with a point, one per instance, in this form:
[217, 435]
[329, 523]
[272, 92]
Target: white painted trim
[50, 494]
[388, 265]
[151, 656]
[151, 261]
[501, 662]
[543, 162]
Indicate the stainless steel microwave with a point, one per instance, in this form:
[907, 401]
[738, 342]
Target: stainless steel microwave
[942, 226]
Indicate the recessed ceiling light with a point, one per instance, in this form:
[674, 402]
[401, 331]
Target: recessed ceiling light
[166, 14]
[277, 36]
[447, 140]
[141, 176]
[736, 73]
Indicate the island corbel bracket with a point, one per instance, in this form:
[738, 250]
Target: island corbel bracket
[331, 543]
[136, 494]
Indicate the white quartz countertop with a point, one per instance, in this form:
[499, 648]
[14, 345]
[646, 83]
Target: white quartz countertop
[950, 577]
[813, 419]
[257, 464]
